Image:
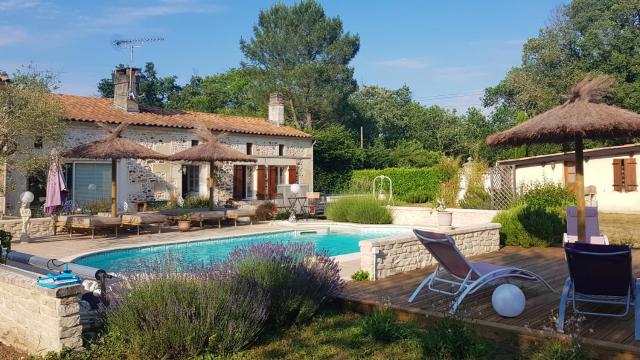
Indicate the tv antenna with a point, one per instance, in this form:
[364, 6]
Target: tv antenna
[133, 44]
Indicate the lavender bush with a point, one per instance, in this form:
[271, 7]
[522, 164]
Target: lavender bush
[297, 278]
[170, 315]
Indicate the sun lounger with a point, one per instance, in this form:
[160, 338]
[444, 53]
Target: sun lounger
[235, 214]
[95, 222]
[144, 218]
[210, 215]
[64, 222]
[592, 231]
[464, 277]
[599, 274]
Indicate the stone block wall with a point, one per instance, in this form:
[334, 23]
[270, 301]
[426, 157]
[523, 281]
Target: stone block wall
[36, 319]
[422, 216]
[40, 227]
[406, 253]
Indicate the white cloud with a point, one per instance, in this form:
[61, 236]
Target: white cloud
[12, 35]
[8, 5]
[404, 63]
[120, 16]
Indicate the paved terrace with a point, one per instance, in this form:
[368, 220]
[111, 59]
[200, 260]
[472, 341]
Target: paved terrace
[63, 247]
[615, 336]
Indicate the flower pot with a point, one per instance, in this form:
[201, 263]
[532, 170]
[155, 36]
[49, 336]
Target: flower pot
[445, 219]
[184, 225]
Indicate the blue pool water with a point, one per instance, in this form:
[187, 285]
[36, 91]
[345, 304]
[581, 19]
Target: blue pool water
[334, 242]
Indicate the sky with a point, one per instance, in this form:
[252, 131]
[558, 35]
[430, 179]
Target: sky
[447, 52]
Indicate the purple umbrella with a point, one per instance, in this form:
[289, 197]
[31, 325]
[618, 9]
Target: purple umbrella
[56, 188]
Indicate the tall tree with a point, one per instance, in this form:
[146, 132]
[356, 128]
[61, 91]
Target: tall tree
[305, 55]
[30, 117]
[153, 90]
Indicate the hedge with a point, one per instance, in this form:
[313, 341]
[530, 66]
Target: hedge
[409, 184]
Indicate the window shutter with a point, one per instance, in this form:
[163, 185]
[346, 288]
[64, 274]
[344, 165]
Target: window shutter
[630, 183]
[293, 174]
[273, 181]
[262, 182]
[237, 182]
[617, 174]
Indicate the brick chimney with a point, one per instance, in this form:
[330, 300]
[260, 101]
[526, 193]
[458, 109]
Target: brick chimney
[276, 109]
[125, 92]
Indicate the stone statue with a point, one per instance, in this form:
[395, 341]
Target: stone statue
[25, 214]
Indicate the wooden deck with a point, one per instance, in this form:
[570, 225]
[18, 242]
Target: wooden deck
[538, 317]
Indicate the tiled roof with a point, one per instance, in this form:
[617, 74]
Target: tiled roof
[93, 109]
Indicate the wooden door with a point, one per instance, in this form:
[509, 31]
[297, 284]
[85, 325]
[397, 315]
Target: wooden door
[273, 182]
[238, 183]
[293, 174]
[570, 175]
[262, 182]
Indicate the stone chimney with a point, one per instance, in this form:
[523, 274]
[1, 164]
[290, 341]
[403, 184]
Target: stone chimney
[276, 109]
[125, 92]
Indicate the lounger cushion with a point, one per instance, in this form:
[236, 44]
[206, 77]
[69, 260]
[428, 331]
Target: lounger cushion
[143, 219]
[95, 221]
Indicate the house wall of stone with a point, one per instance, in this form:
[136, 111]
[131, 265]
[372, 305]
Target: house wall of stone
[159, 180]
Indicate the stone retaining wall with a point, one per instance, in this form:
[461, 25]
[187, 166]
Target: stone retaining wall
[406, 253]
[39, 227]
[36, 319]
[422, 216]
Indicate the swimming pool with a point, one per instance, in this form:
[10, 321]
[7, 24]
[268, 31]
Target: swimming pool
[333, 240]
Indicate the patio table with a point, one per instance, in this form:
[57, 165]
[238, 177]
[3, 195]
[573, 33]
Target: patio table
[298, 200]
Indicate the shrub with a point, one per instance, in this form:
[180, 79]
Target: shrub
[452, 339]
[360, 275]
[383, 326]
[97, 206]
[359, 209]
[418, 197]
[555, 349]
[196, 202]
[538, 218]
[542, 196]
[475, 198]
[296, 277]
[405, 181]
[265, 211]
[179, 315]
[282, 215]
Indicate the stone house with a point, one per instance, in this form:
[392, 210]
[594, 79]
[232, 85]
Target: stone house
[284, 155]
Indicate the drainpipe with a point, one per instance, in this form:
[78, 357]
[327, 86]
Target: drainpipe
[374, 252]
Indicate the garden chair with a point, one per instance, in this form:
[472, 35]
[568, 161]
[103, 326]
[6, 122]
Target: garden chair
[592, 232]
[465, 277]
[599, 274]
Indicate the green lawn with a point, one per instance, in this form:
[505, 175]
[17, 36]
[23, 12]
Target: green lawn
[621, 228]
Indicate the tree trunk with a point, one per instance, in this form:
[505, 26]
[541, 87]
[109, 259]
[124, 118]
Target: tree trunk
[308, 123]
[293, 115]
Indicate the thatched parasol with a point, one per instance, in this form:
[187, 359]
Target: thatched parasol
[583, 115]
[211, 150]
[113, 147]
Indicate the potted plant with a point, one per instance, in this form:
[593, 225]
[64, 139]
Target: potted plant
[445, 218]
[184, 222]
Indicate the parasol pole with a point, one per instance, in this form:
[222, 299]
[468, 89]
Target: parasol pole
[114, 189]
[211, 184]
[579, 189]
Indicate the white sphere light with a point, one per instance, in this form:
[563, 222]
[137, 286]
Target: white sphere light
[295, 188]
[26, 197]
[508, 300]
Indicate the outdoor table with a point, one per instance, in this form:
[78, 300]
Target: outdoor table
[298, 200]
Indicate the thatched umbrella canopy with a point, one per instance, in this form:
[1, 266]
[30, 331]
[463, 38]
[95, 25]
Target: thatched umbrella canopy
[113, 147]
[211, 150]
[583, 115]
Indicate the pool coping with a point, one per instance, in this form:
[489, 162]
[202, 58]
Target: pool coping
[293, 227]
